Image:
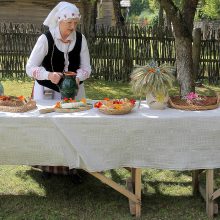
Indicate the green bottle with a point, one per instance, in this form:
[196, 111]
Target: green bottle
[1, 89]
[68, 86]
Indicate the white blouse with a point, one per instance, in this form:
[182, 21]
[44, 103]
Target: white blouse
[34, 66]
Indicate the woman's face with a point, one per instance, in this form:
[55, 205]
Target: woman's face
[68, 26]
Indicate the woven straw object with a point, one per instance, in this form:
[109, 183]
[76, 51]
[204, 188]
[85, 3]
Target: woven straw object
[71, 110]
[17, 106]
[125, 109]
[192, 107]
[11, 103]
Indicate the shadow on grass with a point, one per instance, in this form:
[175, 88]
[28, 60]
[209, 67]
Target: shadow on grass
[95, 200]
[101, 89]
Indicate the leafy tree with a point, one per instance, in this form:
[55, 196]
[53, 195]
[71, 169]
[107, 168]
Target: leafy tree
[143, 11]
[210, 9]
[154, 6]
[137, 6]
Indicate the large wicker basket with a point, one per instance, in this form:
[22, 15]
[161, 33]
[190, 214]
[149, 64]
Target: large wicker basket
[11, 103]
[30, 105]
[214, 103]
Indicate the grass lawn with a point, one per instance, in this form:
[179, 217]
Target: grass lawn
[167, 195]
[94, 89]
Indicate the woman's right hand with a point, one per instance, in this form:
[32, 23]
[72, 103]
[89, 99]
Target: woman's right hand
[55, 77]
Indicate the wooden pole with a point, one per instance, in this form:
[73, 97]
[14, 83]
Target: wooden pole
[196, 49]
[209, 192]
[195, 181]
[138, 191]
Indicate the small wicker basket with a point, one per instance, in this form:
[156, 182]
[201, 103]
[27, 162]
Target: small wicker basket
[111, 111]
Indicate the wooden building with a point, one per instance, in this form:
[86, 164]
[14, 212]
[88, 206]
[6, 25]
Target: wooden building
[210, 29]
[35, 11]
[105, 13]
[27, 11]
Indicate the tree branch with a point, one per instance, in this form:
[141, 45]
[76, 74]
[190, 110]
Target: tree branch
[175, 16]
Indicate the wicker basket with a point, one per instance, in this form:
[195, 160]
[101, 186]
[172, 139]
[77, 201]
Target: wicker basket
[14, 103]
[30, 105]
[192, 107]
[110, 111]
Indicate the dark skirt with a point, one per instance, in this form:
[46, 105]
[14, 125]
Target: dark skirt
[60, 170]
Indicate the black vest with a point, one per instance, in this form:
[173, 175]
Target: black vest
[54, 60]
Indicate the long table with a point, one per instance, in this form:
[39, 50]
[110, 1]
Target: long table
[164, 139]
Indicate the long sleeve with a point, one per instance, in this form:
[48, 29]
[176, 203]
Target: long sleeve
[85, 68]
[34, 64]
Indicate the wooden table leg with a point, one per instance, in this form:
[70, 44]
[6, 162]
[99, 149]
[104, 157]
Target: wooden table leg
[130, 187]
[195, 181]
[209, 192]
[137, 190]
[134, 184]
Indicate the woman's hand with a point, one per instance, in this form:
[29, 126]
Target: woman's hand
[73, 74]
[55, 77]
[77, 81]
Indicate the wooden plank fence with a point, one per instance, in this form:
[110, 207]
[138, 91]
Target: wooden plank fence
[114, 51]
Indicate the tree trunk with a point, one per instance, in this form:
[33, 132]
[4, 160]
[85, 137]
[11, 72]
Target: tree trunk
[161, 18]
[184, 63]
[160, 25]
[182, 21]
[120, 20]
[196, 52]
[89, 18]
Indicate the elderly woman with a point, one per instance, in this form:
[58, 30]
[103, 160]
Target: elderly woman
[60, 49]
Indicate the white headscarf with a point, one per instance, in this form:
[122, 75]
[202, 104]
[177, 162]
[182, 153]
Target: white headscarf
[62, 11]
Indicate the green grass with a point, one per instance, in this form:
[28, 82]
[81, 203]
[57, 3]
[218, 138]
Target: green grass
[25, 195]
[167, 195]
[94, 89]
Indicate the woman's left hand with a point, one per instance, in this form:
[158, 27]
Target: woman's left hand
[77, 81]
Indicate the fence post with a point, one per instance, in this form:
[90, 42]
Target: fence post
[196, 52]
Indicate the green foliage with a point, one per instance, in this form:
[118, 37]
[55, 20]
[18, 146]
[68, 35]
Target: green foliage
[137, 6]
[148, 9]
[210, 9]
[154, 6]
[154, 20]
[143, 12]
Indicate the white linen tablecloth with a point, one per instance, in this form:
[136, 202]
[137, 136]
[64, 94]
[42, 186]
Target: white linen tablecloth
[165, 139]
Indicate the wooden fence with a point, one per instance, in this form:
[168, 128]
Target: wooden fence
[114, 51]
